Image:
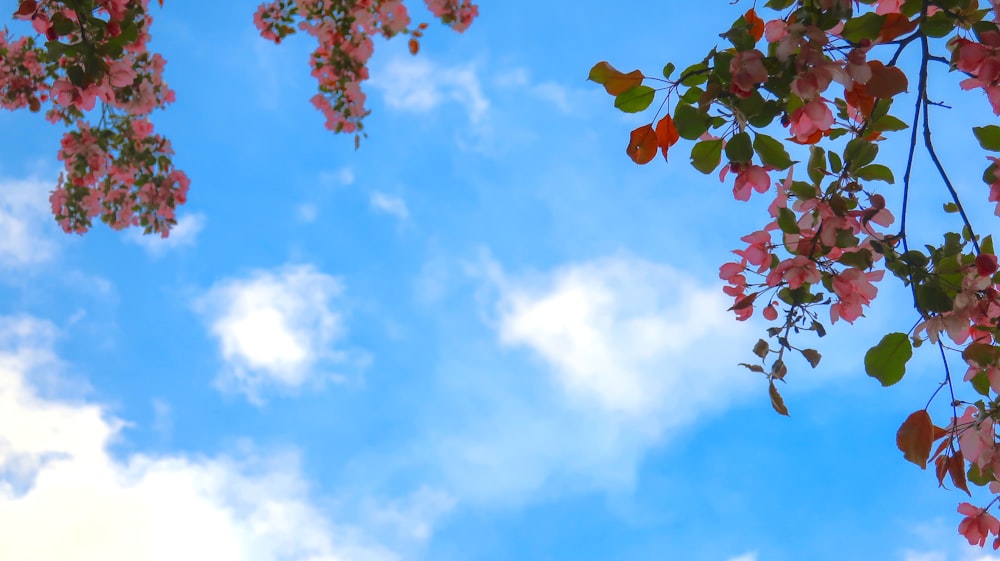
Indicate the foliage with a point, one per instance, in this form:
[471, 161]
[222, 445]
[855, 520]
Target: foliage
[92, 53]
[826, 72]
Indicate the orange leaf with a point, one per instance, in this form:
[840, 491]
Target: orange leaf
[886, 81]
[944, 444]
[414, 46]
[813, 138]
[614, 81]
[642, 145]
[896, 25]
[938, 431]
[860, 98]
[776, 401]
[756, 24]
[915, 438]
[666, 134]
[956, 468]
[941, 466]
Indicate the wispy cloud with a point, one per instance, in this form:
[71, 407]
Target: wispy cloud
[184, 234]
[419, 85]
[389, 204]
[59, 479]
[519, 78]
[276, 328]
[625, 351]
[27, 229]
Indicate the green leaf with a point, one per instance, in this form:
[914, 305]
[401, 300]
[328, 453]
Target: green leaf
[787, 222]
[980, 477]
[668, 69]
[982, 354]
[835, 163]
[866, 26]
[889, 123]
[875, 172]
[938, 25]
[988, 136]
[817, 164]
[860, 259]
[932, 298]
[859, 153]
[689, 122]
[706, 155]
[636, 99]
[695, 74]
[950, 208]
[739, 148]
[981, 383]
[886, 362]
[771, 152]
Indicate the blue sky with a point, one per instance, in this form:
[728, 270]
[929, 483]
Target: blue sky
[485, 335]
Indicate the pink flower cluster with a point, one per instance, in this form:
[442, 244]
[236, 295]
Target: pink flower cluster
[119, 171]
[122, 174]
[22, 75]
[815, 252]
[343, 30]
[981, 61]
[974, 309]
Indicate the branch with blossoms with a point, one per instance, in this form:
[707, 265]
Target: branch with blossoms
[824, 74]
[91, 56]
[95, 52]
[343, 30]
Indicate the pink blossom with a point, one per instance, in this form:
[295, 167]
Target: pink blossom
[752, 177]
[977, 525]
[797, 271]
[812, 117]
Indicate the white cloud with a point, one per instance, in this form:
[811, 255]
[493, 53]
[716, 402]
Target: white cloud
[27, 229]
[418, 85]
[275, 328]
[184, 234]
[551, 92]
[413, 516]
[624, 335]
[628, 351]
[389, 204]
[340, 177]
[64, 496]
[307, 212]
[746, 557]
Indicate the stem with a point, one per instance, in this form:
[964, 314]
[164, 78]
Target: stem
[922, 95]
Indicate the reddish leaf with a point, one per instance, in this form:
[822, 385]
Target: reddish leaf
[642, 145]
[939, 432]
[813, 138]
[915, 438]
[666, 134]
[756, 24]
[414, 46]
[896, 25]
[956, 468]
[941, 447]
[26, 8]
[941, 466]
[776, 401]
[886, 81]
[860, 98]
[614, 81]
[746, 302]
